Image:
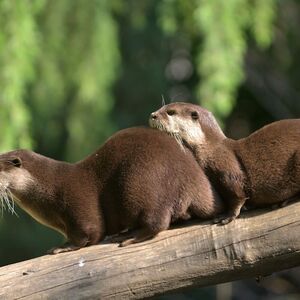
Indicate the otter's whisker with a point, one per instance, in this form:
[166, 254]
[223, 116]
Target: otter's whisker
[7, 201]
[178, 139]
[11, 197]
[163, 103]
[175, 135]
[2, 206]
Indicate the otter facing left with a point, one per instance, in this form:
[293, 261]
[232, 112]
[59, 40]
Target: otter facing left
[139, 179]
[262, 169]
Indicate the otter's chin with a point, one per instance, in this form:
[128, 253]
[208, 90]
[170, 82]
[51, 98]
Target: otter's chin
[155, 124]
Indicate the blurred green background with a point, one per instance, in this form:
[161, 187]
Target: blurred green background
[72, 72]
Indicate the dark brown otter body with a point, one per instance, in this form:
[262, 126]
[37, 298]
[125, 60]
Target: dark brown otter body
[140, 178]
[263, 168]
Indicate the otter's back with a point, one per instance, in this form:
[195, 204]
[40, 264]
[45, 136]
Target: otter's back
[145, 169]
[271, 156]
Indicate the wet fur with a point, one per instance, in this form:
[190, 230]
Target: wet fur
[140, 178]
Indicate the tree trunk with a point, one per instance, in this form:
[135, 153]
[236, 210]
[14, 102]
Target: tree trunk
[258, 243]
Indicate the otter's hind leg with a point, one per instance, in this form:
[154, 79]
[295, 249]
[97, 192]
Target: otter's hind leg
[152, 224]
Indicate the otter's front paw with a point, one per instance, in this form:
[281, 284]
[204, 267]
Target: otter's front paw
[62, 249]
[223, 220]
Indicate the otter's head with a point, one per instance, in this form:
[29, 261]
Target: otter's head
[188, 123]
[14, 180]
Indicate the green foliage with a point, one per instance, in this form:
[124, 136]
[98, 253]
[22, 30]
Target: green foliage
[89, 120]
[222, 27]
[220, 58]
[263, 14]
[18, 51]
[77, 67]
[74, 71]
[167, 16]
[60, 59]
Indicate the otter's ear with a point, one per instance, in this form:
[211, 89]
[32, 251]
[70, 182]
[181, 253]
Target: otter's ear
[17, 162]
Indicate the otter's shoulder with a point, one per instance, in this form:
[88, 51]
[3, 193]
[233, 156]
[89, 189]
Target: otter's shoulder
[135, 134]
[287, 128]
[136, 131]
[138, 139]
[286, 124]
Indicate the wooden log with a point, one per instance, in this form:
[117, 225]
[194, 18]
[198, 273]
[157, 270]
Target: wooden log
[258, 243]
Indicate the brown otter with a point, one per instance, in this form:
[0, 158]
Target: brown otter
[263, 168]
[140, 178]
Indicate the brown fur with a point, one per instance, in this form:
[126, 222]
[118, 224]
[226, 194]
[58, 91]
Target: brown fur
[263, 168]
[140, 178]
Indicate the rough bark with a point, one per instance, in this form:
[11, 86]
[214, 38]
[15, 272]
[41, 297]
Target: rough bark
[258, 243]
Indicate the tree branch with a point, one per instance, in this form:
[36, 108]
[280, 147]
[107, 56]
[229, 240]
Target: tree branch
[258, 243]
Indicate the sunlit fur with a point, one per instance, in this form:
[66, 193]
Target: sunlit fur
[6, 199]
[160, 126]
[262, 168]
[105, 193]
[21, 179]
[180, 128]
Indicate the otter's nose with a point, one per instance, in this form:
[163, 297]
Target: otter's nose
[153, 116]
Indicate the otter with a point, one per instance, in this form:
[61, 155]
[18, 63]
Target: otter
[139, 179]
[259, 170]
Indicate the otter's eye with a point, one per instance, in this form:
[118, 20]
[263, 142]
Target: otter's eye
[171, 112]
[16, 162]
[194, 115]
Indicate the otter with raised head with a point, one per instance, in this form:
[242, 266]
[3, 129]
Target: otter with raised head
[139, 179]
[262, 169]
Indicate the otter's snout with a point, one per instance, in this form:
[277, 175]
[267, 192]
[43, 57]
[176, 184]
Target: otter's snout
[154, 119]
[153, 116]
